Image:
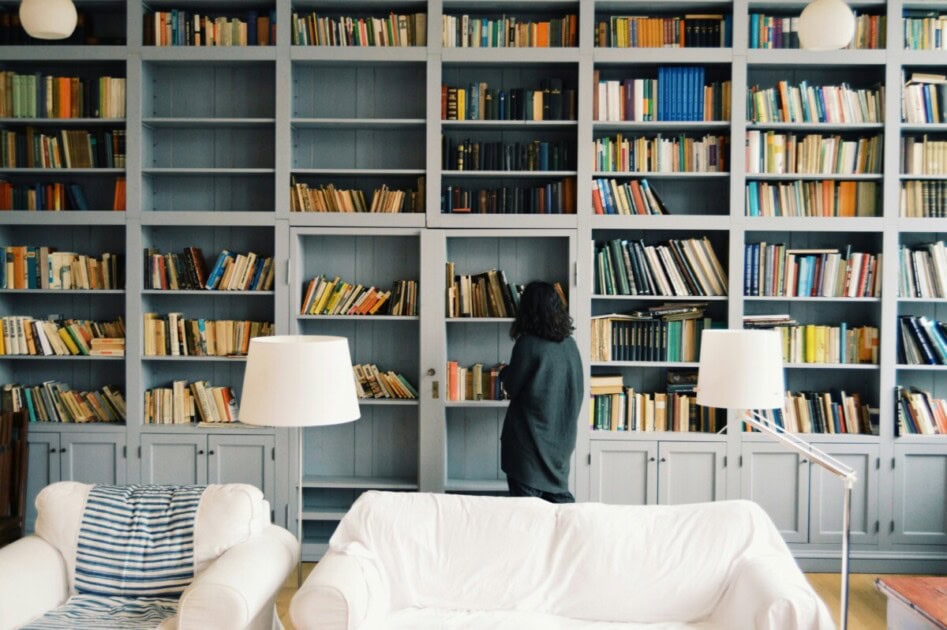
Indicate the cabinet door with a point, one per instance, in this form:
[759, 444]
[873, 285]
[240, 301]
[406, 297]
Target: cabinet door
[778, 480]
[93, 457]
[691, 472]
[624, 473]
[826, 496]
[174, 459]
[920, 494]
[243, 459]
[43, 470]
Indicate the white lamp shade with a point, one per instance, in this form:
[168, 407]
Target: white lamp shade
[48, 19]
[298, 381]
[740, 369]
[826, 25]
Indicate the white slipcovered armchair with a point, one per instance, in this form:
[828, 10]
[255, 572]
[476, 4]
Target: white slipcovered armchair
[147, 557]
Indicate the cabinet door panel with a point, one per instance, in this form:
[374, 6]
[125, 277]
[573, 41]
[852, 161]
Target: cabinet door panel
[920, 494]
[778, 480]
[827, 496]
[43, 470]
[174, 459]
[93, 458]
[691, 472]
[242, 459]
[624, 473]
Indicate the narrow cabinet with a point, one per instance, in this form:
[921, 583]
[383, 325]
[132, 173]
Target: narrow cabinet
[196, 458]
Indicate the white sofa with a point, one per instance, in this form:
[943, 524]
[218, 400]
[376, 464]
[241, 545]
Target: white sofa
[240, 561]
[433, 561]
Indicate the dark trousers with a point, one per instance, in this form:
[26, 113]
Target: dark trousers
[518, 489]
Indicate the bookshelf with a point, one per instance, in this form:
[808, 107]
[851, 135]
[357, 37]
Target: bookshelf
[216, 137]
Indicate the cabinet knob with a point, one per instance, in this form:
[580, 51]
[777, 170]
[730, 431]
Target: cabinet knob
[210, 452]
[803, 461]
[200, 451]
[664, 459]
[431, 372]
[650, 459]
[52, 449]
[62, 450]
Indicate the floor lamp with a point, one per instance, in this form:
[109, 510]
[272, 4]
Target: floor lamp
[298, 381]
[743, 369]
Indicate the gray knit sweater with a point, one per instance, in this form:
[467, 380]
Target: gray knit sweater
[545, 382]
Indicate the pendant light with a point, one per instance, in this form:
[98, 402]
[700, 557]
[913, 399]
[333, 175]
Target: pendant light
[48, 19]
[826, 25]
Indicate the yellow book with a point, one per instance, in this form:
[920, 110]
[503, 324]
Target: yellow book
[68, 340]
[324, 298]
[810, 355]
[821, 332]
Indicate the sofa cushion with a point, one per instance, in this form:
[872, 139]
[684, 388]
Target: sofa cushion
[226, 515]
[440, 619]
[93, 611]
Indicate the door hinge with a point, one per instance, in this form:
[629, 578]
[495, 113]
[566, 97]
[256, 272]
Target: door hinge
[575, 274]
[877, 463]
[740, 461]
[877, 526]
[139, 452]
[272, 516]
[724, 461]
[273, 453]
[287, 272]
[435, 390]
[589, 459]
[125, 452]
[892, 463]
[891, 528]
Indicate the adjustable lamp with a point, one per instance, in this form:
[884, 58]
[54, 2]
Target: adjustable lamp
[826, 25]
[298, 381]
[48, 19]
[743, 369]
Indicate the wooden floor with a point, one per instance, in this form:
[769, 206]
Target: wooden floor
[866, 605]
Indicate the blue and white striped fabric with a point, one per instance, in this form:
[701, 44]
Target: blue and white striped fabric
[137, 541]
[93, 611]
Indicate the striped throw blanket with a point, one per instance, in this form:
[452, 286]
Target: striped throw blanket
[134, 558]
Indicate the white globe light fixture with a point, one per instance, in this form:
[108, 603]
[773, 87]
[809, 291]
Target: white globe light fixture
[826, 25]
[48, 19]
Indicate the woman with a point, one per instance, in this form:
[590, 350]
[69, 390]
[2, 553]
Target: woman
[545, 384]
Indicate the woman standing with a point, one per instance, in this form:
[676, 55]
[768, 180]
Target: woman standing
[544, 380]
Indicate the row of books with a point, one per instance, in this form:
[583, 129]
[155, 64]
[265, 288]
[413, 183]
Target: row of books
[825, 198]
[919, 412]
[42, 196]
[822, 412]
[804, 103]
[328, 198]
[923, 156]
[773, 269]
[658, 154]
[630, 197]
[186, 403]
[231, 271]
[787, 153]
[924, 98]
[29, 267]
[53, 401]
[616, 407]
[46, 96]
[24, 335]
[922, 340]
[924, 198]
[782, 31]
[685, 31]
[683, 267]
[474, 383]
[173, 335]
[67, 148]
[555, 197]
[678, 93]
[484, 294]
[815, 343]
[391, 30]
[664, 333]
[478, 101]
[924, 30]
[179, 27]
[370, 382]
[466, 31]
[535, 155]
[337, 297]
[922, 270]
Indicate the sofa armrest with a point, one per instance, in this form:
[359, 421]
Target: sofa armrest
[238, 589]
[345, 591]
[32, 581]
[771, 593]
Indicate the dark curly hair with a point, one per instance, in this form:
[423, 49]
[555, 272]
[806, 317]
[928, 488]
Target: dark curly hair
[542, 314]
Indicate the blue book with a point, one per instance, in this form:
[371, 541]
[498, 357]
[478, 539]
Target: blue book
[218, 270]
[28, 395]
[473, 102]
[748, 263]
[662, 93]
[842, 335]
